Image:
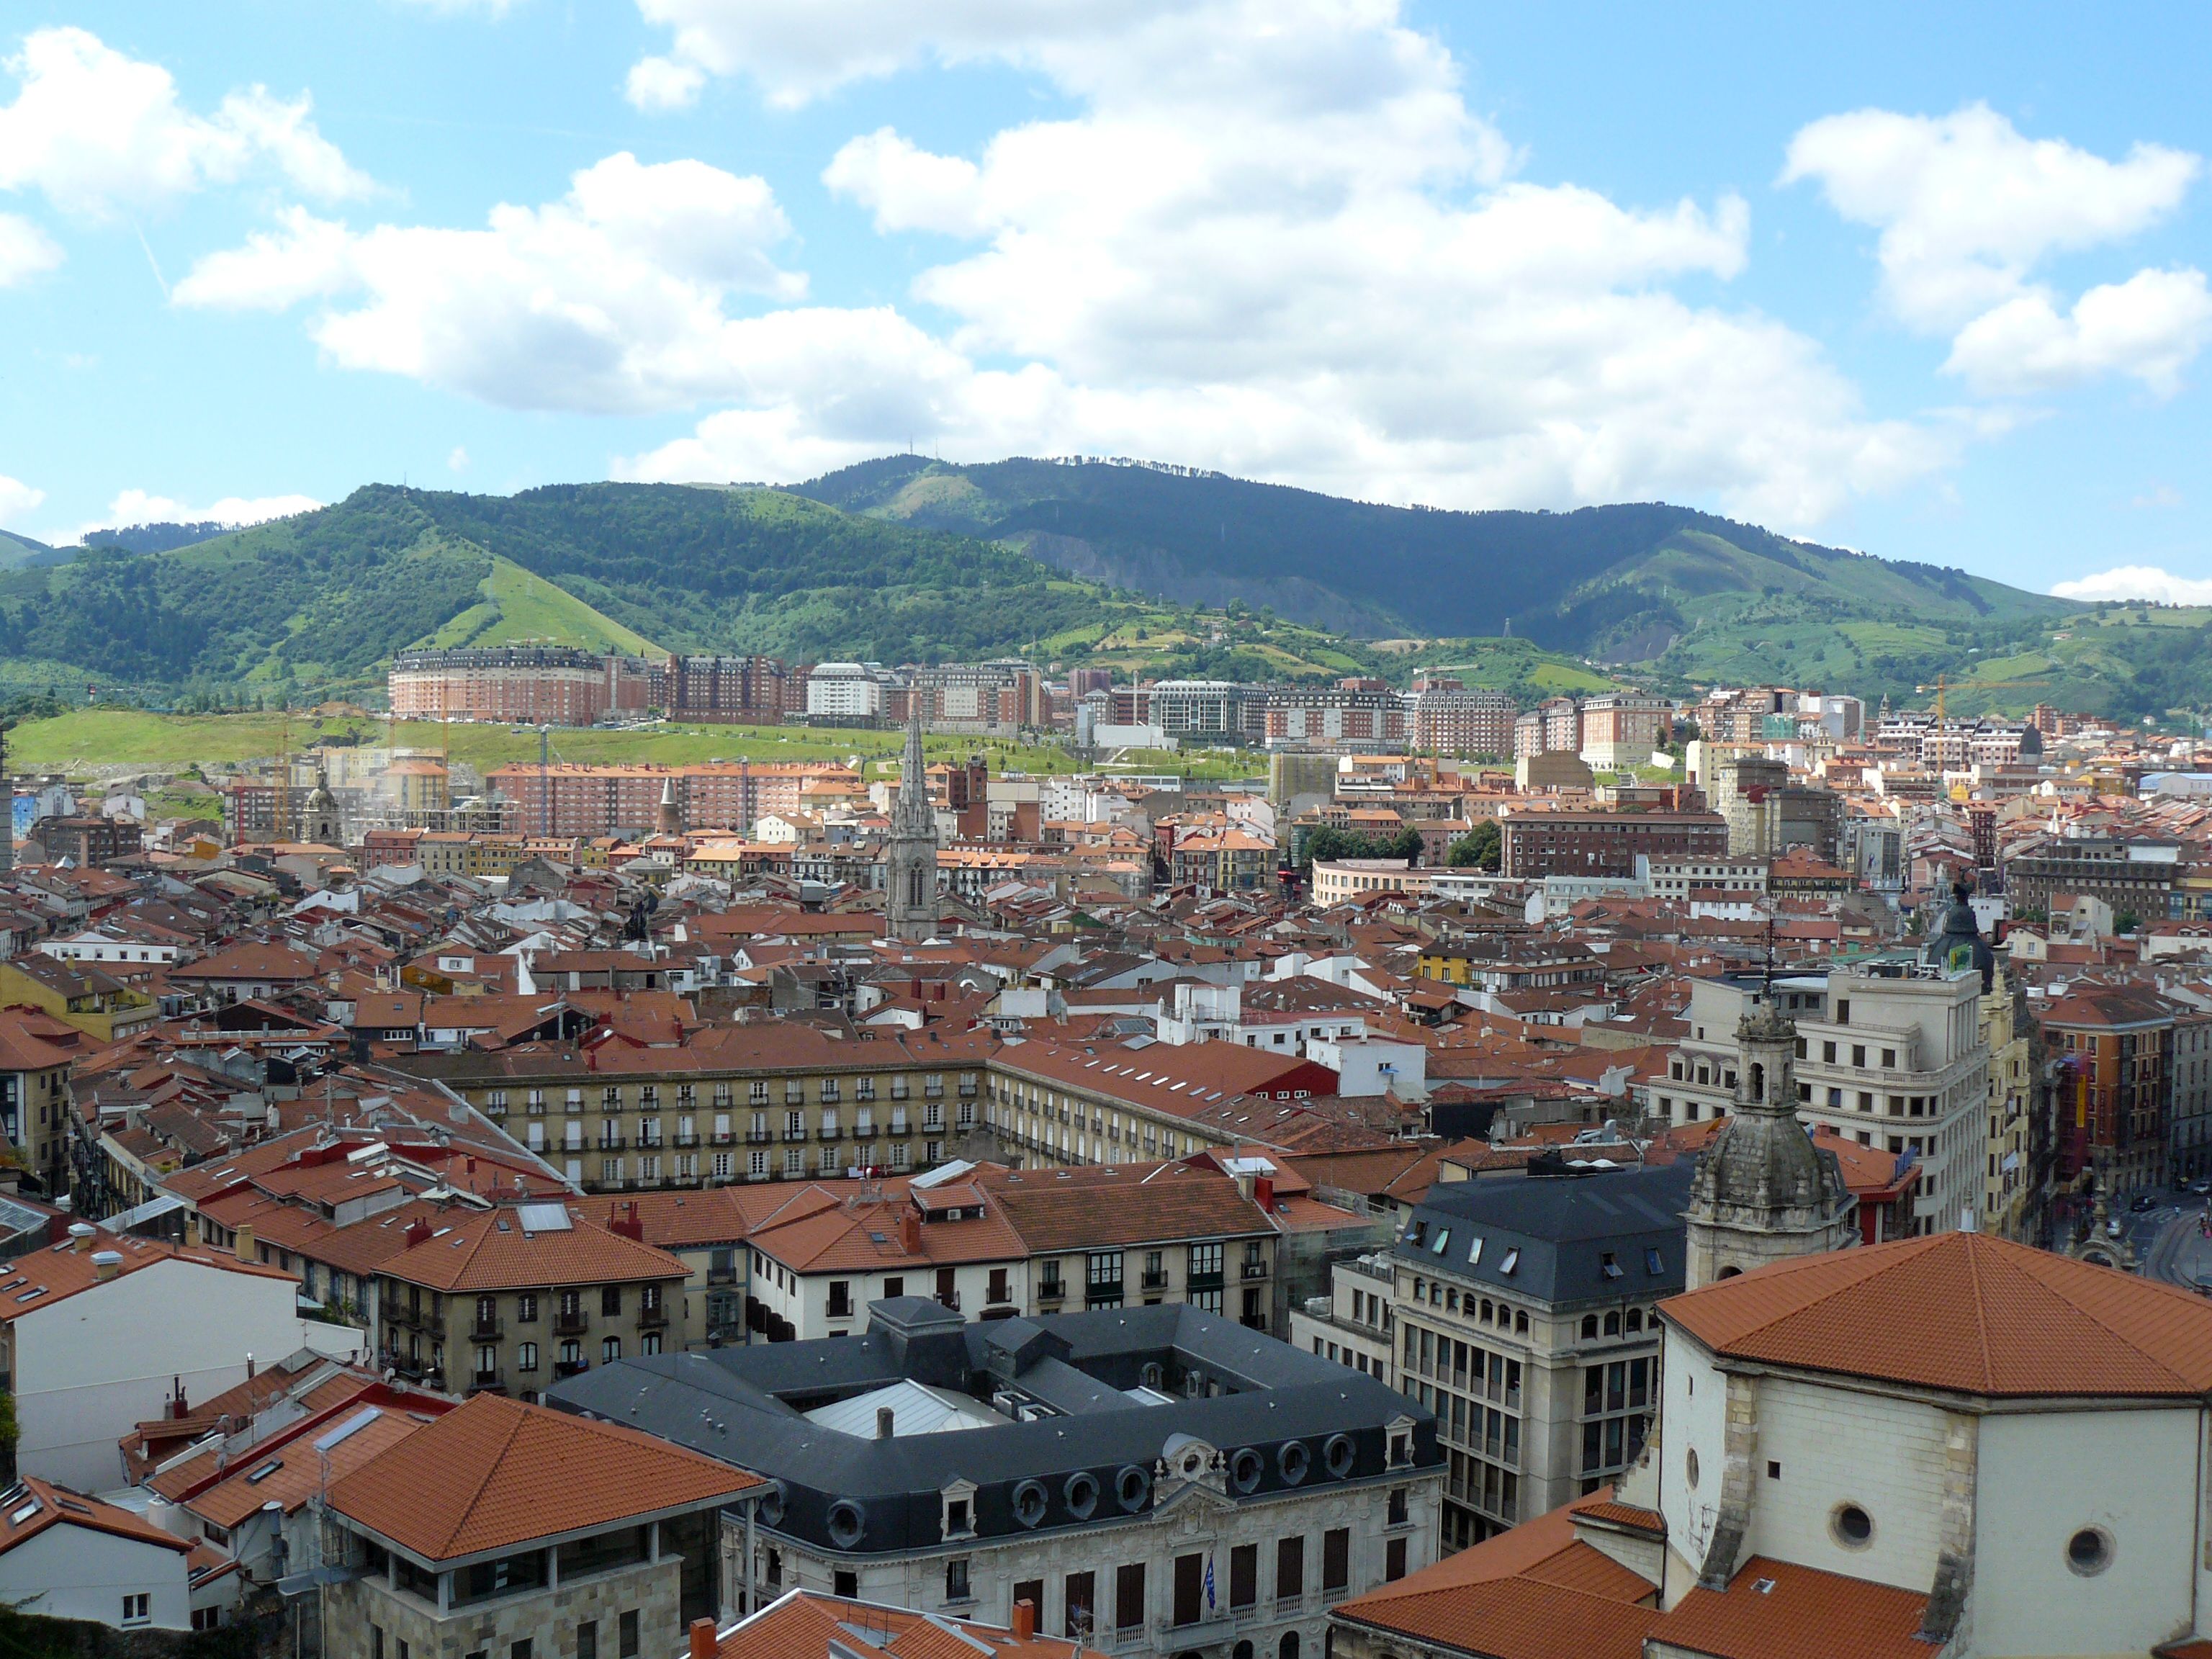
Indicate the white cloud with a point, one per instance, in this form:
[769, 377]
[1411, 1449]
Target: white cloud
[1272, 237]
[610, 299]
[25, 249]
[98, 132]
[1968, 208]
[662, 83]
[2148, 327]
[17, 498]
[138, 507]
[458, 460]
[796, 53]
[2137, 582]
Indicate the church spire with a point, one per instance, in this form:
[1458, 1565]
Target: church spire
[910, 855]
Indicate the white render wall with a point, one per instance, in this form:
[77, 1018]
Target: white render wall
[79, 1572]
[93, 1365]
[1693, 1417]
[2047, 1476]
[1836, 1446]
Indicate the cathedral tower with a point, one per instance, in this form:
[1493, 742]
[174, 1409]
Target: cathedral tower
[910, 856]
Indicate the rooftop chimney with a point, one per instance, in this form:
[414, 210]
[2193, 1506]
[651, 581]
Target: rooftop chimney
[1024, 1620]
[702, 1638]
[910, 1231]
[885, 1418]
[80, 1238]
[244, 1243]
[106, 1264]
[418, 1232]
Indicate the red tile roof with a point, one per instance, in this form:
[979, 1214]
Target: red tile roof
[1966, 1312]
[42, 1278]
[493, 1250]
[33, 1505]
[1778, 1610]
[1534, 1592]
[495, 1474]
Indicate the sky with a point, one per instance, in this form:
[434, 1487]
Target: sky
[1927, 282]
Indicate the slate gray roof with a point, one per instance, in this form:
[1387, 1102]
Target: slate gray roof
[1549, 1237]
[744, 1405]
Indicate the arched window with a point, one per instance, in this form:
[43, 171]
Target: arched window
[1288, 1648]
[1757, 1082]
[1589, 1325]
[1730, 1273]
[1635, 1320]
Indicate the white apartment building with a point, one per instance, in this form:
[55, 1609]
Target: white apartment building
[1889, 1055]
[844, 690]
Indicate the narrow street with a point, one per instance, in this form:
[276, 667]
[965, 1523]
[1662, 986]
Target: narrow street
[2170, 1243]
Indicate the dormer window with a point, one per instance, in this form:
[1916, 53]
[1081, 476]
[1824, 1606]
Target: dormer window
[958, 1518]
[1510, 1261]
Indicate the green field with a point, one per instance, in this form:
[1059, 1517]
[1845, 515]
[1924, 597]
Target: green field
[75, 743]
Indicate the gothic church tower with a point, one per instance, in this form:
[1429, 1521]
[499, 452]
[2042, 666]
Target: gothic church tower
[910, 856]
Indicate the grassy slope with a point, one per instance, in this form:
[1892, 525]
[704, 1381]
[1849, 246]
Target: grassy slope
[521, 608]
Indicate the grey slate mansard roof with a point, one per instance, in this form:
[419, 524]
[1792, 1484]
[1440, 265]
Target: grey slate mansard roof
[1556, 1231]
[746, 1404]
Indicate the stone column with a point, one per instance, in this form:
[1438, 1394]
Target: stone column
[1954, 1551]
[1738, 1471]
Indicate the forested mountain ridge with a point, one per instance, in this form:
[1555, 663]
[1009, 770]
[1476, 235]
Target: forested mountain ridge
[1618, 582]
[1148, 570]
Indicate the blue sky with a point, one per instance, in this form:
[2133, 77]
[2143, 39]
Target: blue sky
[1928, 282]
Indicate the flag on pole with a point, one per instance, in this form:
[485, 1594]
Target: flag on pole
[1209, 1581]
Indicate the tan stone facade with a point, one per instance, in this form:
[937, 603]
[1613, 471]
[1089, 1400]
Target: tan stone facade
[369, 1618]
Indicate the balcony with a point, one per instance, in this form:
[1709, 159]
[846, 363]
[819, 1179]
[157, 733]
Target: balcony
[831, 1132]
[654, 1318]
[565, 1369]
[571, 1322]
[949, 1299]
[687, 1140]
[487, 1382]
[486, 1330]
[753, 1137]
[794, 1134]
[1156, 1281]
[611, 1143]
[648, 1143]
[1255, 1270]
[1102, 1293]
[1208, 1281]
[1052, 1290]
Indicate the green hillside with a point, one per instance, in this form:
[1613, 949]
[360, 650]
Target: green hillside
[1621, 583]
[518, 608]
[1146, 570]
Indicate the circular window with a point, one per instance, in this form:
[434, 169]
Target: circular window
[1851, 1526]
[848, 1521]
[1690, 1465]
[1192, 1462]
[2089, 1551]
[1029, 1502]
[1295, 1460]
[1131, 1487]
[1081, 1494]
[1245, 1469]
[1340, 1454]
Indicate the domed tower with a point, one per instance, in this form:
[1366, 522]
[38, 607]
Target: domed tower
[1959, 947]
[320, 821]
[1762, 1191]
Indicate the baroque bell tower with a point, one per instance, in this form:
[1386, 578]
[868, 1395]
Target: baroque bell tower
[1763, 1192]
